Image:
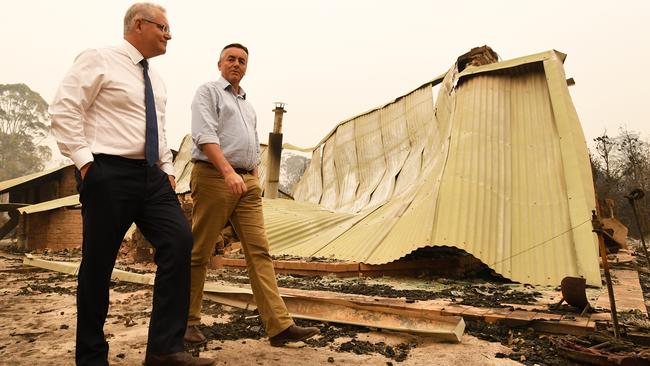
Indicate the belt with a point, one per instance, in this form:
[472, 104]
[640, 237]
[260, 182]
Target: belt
[237, 170]
[117, 158]
[243, 171]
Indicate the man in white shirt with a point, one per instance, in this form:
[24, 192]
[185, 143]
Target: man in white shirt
[108, 116]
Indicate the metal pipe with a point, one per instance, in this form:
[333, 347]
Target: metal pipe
[637, 194]
[274, 153]
[598, 229]
[279, 112]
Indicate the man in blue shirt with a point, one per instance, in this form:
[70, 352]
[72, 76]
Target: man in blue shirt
[225, 186]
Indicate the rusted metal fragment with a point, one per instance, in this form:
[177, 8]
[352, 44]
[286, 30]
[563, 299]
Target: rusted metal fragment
[477, 56]
[595, 356]
[573, 292]
[615, 231]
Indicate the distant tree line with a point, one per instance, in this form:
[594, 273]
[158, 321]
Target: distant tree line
[23, 126]
[621, 164]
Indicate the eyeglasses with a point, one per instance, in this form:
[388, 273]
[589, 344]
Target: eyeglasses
[162, 27]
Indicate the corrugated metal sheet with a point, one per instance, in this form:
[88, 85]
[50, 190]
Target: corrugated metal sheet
[70, 201]
[311, 188]
[261, 169]
[11, 183]
[183, 165]
[498, 167]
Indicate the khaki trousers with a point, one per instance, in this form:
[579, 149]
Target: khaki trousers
[214, 205]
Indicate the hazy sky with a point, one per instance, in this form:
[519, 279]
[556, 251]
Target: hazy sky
[331, 60]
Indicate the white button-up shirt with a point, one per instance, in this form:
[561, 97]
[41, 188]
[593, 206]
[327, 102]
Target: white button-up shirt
[99, 107]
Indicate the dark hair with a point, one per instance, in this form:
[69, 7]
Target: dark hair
[234, 45]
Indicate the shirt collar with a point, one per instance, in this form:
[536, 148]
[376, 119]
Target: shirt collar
[133, 52]
[225, 85]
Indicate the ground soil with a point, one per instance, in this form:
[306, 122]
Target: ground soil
[37, 322]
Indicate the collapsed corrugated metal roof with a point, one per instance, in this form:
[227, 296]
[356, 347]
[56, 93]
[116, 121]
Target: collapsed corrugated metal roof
[498, 167]
[12, 183]
[183, 165]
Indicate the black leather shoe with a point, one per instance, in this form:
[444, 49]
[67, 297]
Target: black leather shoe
[176, 359]
[193, 335]
[293, 334]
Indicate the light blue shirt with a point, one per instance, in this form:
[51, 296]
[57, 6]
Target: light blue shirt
[219, 116]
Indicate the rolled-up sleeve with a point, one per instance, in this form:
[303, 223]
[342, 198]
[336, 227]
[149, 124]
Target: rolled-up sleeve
[204, 116]
[75, 95]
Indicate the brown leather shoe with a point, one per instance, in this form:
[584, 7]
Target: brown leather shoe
[193, 335]
[176, 359]
[293, 334]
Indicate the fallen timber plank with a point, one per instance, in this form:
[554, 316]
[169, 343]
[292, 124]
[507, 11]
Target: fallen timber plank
[355, 310]
[444, 328]
[347, 311]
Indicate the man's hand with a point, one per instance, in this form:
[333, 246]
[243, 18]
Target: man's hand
[235, 182]
[84, 169]
[172, 181]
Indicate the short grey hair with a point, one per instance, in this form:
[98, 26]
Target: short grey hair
[138, 11]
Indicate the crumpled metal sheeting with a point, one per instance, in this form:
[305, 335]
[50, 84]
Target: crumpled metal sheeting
[499, 168]
[370, 158]
[329, 198]
[183, 165]
[303, 228]
[346, 167]
[503, 196]
[311, 188]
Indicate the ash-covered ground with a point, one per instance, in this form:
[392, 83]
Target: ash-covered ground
[38, 321]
